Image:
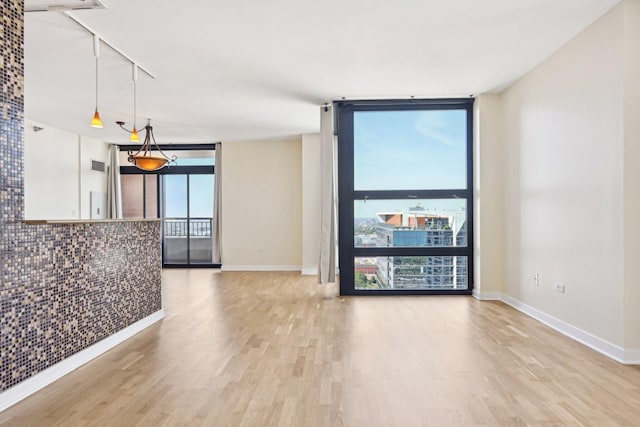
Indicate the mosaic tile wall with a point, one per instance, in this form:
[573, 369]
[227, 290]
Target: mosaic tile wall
[62, 287]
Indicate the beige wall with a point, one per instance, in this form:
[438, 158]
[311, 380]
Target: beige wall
[58, 179]
[562, 130]
[262, 205]
[488, 198]
[632, 174]
[311, 195]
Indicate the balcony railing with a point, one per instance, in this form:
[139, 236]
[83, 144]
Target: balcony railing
[197, 227]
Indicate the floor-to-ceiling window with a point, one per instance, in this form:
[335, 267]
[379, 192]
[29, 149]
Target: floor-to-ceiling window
[182, 195]
[405, 186]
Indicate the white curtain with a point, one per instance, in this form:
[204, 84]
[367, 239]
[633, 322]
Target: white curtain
[217, 211]
[114, 189]
[328, 202]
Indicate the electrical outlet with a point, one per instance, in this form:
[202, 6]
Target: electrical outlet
[536, 280]
[559, 287]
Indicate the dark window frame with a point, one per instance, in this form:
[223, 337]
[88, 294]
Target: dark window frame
[170, 170]
[344, 113]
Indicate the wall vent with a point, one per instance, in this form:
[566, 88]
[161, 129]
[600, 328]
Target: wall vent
[98, 166]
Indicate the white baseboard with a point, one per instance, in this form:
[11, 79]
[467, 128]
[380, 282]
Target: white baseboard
[261, 267]
[619, 354]
[29, 386]
[487, 296]
[598, 344]
[310, 271]
[631, 357]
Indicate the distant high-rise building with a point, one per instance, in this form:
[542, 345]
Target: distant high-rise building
[421, 229]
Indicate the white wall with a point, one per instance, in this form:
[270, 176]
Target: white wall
[90, 180]
[311, 195]
[58, 178]
[562, 130]
[51, 185]
[262, 205]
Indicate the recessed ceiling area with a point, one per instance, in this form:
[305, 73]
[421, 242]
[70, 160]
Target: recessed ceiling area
[252, 69]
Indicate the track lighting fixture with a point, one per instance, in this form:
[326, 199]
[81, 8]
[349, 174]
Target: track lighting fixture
[134, 133]
[96, 122]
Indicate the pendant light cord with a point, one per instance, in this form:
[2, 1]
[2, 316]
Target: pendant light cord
[96, 121]
[96, 83]
[135, 107]
[134, 76]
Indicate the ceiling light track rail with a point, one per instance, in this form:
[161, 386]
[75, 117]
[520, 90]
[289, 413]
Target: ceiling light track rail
[62, 5]
[107, 43]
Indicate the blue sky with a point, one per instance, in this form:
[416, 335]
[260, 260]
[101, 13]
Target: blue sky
[200, 199]
[201, 186]
[409, 150]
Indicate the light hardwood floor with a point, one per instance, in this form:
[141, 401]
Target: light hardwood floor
[261, 349]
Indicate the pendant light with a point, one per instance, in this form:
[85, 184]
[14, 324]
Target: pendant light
[143, 158]
[96, 122]
[147, 158]
[134, 134]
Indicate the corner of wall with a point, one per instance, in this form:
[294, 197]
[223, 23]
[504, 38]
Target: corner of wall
[311, 194]
[488, 196]
[631, 178]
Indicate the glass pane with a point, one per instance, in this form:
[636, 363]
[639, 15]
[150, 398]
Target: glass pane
[410, 149]
[411, 272]
[132, 191]
[151, 196]
[176, 223]
[201, 196]
[193, 157]
[175, 196]
[201, 210]
[175, 241]
[207, 161]
[410, 223]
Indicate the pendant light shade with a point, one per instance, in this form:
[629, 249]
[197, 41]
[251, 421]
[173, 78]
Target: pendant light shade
[134, 135]
[149, 163]
[96, 122]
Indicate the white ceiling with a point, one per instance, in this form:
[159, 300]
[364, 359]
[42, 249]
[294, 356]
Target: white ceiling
[256, 69]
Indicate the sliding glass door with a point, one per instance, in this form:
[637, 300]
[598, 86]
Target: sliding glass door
[182, 195]
[187, 205]
[405, 196]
